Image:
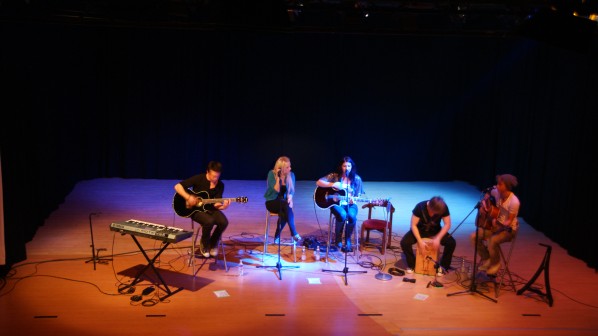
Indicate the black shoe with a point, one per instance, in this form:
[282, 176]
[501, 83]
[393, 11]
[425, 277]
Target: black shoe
[348, 247]
[339, 245]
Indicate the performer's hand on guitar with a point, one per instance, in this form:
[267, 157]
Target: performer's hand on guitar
[486, 203]
[351, 200]
[223, 205]
[483, 209]
[191, 201]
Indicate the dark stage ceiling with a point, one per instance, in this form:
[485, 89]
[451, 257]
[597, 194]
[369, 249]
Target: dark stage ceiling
[356, 16]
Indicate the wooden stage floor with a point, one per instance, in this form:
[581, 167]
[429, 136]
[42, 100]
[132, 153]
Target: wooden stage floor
[57, 291]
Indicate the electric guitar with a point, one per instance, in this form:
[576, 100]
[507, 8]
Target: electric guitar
[327, 197]
[179, 203]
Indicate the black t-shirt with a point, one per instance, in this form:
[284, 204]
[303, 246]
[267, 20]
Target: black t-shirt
[428, 225]
[201, 187]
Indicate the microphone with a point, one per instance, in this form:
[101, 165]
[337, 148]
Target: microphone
[436, 263]
[487, 189]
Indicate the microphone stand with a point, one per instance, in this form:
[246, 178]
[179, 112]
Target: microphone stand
[473, 287]
[95, 255]
[279, 230]
[345, 269]
[436, 267]
[477, 206]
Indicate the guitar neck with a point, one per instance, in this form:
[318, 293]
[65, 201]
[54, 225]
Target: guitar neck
[218, 200]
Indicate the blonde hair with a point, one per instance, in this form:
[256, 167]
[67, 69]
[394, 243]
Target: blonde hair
[280, 163]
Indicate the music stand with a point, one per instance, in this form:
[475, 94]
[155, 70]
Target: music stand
[473, 286]
[95, 255]
[345, 270]
[278, 264]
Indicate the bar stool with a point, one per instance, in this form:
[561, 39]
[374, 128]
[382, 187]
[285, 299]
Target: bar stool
[193, 248]
[354, 240]
[505, 265]
[267, 229]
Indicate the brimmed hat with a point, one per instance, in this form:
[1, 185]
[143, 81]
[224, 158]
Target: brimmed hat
[509, 180]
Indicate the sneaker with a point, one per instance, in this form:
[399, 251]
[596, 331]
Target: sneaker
[409, 271]
[440, 272]
[492, 269]
[297, 237]
[202, 251]
[276, 240]
[348, 247]
[214, 252]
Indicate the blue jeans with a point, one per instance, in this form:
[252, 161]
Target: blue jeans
[342, 215]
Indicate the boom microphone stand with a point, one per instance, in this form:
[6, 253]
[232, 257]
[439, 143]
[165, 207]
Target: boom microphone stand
[95, 255]
[473, 287]
[345, 269]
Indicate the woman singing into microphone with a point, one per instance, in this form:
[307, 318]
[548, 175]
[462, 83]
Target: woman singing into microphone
[279, 196]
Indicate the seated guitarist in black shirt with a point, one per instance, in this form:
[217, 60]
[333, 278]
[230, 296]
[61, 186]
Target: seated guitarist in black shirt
[344, 178]
[210, 215]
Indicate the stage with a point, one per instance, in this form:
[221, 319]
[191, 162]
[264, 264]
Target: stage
[61, 290]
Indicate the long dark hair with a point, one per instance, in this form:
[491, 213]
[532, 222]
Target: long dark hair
[352, 173]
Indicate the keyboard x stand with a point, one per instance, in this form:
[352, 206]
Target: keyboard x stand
[150, 264]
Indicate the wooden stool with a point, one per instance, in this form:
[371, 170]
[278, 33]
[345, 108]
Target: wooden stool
[423, 265]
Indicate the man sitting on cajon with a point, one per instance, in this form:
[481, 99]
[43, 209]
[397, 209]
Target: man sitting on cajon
[425, 223]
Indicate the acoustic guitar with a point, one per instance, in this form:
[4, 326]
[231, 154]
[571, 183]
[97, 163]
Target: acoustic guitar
[179, 203]
[325, 197]
[490, 212]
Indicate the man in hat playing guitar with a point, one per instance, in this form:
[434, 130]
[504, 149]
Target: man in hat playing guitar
[497, 222]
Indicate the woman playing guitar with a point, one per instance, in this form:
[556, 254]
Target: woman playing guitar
[345, 177]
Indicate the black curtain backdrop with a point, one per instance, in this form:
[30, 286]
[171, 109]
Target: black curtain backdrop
[83, 102]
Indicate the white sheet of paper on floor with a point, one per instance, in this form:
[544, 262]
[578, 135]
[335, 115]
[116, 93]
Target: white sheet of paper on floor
[221, 293]
[420, 297]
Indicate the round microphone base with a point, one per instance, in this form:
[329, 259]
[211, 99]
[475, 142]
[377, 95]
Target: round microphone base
[383, 276]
